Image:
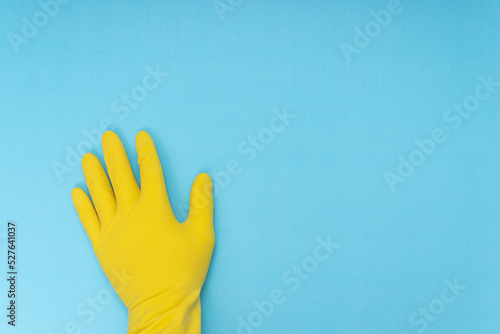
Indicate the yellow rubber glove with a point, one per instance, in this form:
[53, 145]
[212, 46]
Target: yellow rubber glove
[134, 230]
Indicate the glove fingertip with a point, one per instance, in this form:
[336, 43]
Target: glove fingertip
[76, 196]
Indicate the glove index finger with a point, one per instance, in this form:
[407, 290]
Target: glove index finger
[149, 163]
[152, 181]
[87, 214]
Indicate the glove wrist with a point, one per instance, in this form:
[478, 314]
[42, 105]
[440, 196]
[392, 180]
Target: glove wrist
[167, 315]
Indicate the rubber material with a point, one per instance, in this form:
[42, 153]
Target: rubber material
[134, 233]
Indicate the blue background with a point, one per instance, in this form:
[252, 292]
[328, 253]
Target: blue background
[323, 175]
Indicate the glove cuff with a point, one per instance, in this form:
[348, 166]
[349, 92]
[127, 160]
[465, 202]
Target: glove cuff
[167, 315]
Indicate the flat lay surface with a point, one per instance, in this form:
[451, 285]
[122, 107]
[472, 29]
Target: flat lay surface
[353, 147]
